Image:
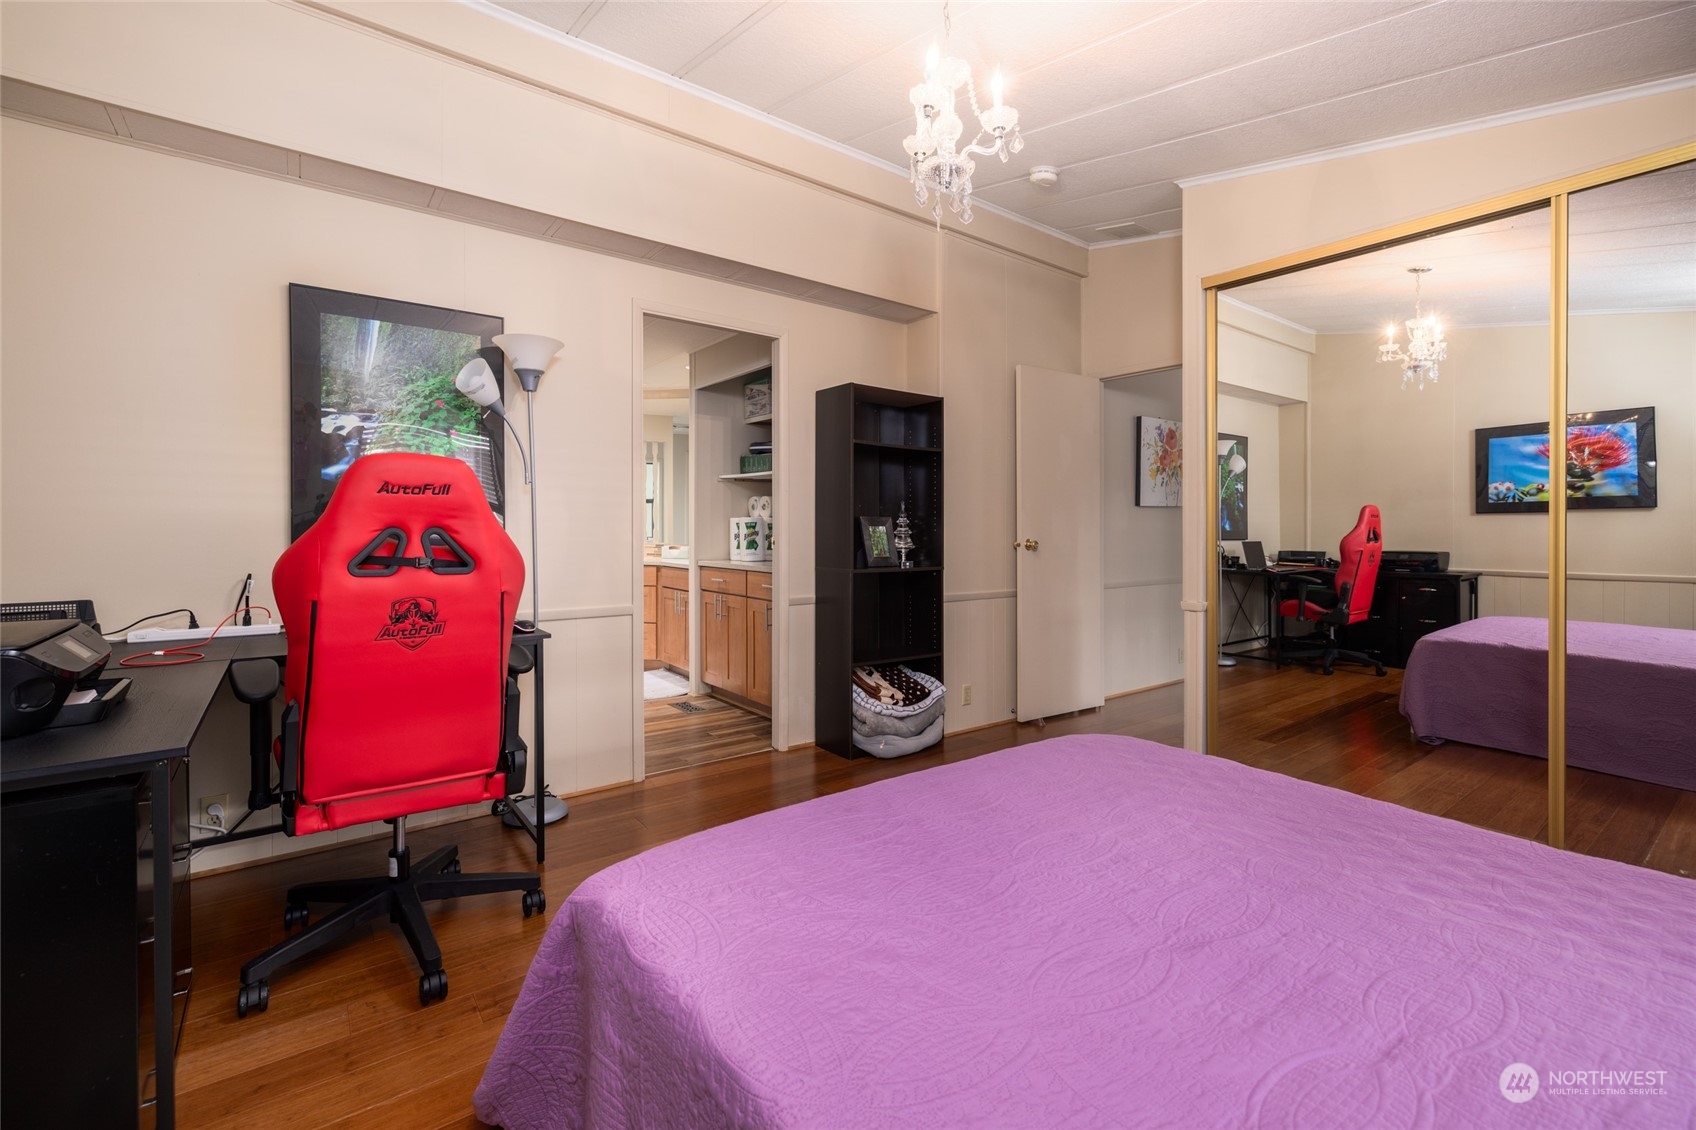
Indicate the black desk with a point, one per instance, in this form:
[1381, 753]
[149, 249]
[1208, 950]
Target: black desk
[95, 916]
[94, 907]
[1405, 608]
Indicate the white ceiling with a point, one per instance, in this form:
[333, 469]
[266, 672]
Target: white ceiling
[1127, 99]
[666, 344]
[1632, 248]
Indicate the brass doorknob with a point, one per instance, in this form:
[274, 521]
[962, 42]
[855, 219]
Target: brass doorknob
[1030, 544]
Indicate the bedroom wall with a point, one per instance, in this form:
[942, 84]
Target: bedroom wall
[999, 312]
[1636, 566]
[1131, 314]
[1140, 546]
[1260, 214]
[179, 402]
[183, 264]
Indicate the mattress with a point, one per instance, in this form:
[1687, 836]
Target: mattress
[1631, 693]
[1099, 931]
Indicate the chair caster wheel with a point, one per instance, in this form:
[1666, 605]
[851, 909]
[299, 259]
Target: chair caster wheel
[535, 902]
[255, 997]
[452, 867]
[295, 914]
[499, 808]
[433, 987]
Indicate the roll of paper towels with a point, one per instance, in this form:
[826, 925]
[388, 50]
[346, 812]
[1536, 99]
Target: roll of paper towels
[753, 506]
[763, 502]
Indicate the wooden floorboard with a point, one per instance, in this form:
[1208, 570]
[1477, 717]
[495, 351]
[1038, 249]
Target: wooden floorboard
[713, 731]
[345, 1042]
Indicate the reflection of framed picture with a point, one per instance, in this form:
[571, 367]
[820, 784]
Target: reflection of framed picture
[1233, 487]
[875, 537]
[373, 374]
[1610, 464]
[1160, 462]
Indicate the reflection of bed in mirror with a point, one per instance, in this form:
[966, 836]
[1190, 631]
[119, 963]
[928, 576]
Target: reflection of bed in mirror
[1630, 691]
[1096, 931]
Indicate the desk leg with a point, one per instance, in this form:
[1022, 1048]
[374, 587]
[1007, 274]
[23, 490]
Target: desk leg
[164, 952]
[541, 789]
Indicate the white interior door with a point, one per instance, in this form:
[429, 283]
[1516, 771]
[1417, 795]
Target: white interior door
[1058, 548]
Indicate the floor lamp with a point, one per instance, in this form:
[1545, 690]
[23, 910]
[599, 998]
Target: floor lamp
[529, 356]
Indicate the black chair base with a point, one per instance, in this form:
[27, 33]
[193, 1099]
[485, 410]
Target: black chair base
[1327, 654]
[401, 899]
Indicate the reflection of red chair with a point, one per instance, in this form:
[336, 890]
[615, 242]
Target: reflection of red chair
[1345, 597]
[398, 604]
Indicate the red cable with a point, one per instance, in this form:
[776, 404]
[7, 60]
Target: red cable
[184, 653]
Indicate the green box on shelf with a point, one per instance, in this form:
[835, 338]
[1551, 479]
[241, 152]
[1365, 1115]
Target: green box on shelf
[756, 397]
[754, 464]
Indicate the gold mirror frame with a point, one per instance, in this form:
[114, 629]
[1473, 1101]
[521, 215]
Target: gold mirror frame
[1553, 196]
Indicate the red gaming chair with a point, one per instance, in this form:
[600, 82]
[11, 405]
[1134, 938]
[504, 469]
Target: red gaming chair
[398, 606]
[1344, 597]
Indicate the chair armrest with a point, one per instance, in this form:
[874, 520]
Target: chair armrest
[520, 660]
[514, 753]
[289, 788]
[255, 682]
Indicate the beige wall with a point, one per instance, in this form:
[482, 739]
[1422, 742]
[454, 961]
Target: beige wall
[1131, 309]
[182, 265]
[998, 312]
[1420, 472]
[1140, 546]
[167, 280]
[1234, 223]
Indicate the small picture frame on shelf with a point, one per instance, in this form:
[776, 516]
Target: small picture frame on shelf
[877, 538]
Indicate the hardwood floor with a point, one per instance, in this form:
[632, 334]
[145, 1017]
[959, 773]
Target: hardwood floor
[712, 731]
[345, 1042]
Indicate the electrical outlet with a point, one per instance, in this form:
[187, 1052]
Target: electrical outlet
[214, 810]
[966, 695]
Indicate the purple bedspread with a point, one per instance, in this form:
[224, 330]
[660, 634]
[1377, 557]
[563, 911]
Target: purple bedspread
[1631, 694]
[1101, 932]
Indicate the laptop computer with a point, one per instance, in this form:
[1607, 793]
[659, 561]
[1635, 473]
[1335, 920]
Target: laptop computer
[1254, 556]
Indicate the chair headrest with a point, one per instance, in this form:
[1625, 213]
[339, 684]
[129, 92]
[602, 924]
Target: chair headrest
[401, 487]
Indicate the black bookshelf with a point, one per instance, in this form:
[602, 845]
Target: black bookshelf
[876, 449]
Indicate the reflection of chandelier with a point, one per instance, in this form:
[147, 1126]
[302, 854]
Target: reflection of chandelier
[935, 165]
[1425, 344]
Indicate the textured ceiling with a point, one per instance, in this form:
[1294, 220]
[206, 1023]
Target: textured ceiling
[1126, 99]
[1633, 248]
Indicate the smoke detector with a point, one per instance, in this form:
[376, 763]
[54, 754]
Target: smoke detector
[1045, 176]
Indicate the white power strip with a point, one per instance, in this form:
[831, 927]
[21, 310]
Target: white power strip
[162, 635]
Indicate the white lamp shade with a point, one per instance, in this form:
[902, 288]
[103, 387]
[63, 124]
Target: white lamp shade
[529, 351]
[477, 381]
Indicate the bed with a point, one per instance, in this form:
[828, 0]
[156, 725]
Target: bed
[1631, 693]
[1098, 931]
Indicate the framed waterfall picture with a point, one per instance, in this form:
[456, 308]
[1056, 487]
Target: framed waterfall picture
[1233, 487]
[1160, 461]
[1610, 464]
[376, 374]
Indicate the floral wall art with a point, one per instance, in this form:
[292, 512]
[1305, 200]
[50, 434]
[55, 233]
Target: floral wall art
[1160, 461]
[1610, 464]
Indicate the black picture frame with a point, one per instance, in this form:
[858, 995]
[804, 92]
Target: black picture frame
[1612, 454]
[877, 536]
[1233, 488]
[373, 374]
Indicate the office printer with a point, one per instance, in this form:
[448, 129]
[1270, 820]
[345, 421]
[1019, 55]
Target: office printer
[41, 663]
[1415, 561]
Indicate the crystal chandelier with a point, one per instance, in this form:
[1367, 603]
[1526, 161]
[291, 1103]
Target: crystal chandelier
[1425, 344]
[935, 164]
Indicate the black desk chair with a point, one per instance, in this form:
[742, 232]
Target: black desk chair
[1331, 601]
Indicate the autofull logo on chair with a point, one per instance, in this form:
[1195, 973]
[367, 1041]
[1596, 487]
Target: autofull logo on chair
[415, 488]
[413, 622]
